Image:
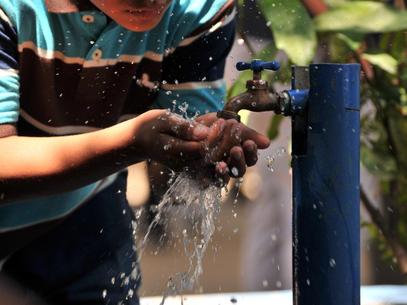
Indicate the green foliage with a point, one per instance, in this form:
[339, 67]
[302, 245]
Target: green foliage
[375, 153]
[384, 61]
[353, 41]
[362, 17]
[292, 29]
[239, 85]
[274, 126]
[374, 34]
[377, 236]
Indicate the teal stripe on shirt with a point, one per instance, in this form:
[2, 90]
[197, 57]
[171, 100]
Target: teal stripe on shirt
[199, 101]
[9, 99]
[29, 212]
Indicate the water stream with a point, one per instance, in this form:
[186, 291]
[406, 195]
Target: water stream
[201, 209]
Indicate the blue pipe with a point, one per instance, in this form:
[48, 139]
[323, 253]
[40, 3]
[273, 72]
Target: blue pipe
[298, 100]
[326, 225]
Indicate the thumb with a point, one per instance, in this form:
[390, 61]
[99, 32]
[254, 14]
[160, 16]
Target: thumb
[181, 128]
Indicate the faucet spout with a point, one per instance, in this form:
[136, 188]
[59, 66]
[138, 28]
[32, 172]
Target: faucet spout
[257, 101]
[258, 98]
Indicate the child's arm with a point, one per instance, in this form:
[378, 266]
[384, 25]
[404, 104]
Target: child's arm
[34, 166]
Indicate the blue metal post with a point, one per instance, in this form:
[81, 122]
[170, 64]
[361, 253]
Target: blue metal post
[326, 225]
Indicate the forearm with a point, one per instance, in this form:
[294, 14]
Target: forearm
[32, 166]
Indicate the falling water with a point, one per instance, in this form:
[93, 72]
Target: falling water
[271, 159]
[203, 206]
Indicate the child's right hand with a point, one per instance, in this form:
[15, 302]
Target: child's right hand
[168, 139]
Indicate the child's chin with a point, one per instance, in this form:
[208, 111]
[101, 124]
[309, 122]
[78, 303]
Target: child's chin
[140, 26]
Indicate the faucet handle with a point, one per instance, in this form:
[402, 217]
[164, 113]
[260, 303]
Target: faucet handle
[258, 65]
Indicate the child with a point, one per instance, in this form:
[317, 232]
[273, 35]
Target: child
[81, 88]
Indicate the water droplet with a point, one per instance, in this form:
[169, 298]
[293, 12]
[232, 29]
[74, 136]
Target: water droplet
[308, 282]
[265, 283]
[332, 263]
[104, 293]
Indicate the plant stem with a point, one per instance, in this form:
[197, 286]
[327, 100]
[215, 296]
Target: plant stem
[392, 237]
[375, 215]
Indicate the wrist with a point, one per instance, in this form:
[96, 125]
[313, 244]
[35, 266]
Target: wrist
[138, 135]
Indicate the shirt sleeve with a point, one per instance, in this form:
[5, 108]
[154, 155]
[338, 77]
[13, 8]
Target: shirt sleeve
[193, 81]
[9, 78]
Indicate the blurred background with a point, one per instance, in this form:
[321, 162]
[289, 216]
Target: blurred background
[251, 247]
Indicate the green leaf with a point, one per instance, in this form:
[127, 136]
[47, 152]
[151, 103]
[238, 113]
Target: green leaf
[334, 2]
[384, 61]
[244, 116]
[239, 86]
[378, 163]
[362, 17]
[374, 152]
[353, 41]
[292, 29]
[274, 126]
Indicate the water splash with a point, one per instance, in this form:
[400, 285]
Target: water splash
[270, 159]
[203, 208]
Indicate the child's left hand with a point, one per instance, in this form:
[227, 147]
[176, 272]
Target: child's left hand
[231, 145]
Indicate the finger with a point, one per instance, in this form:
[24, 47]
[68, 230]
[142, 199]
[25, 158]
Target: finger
[207, 119]
[231, 137]
[176, 149]
[221, 173]
[181, 128]
[214, 136]
[250, 152]
[261, 141]
[216, 132]
[237, 163]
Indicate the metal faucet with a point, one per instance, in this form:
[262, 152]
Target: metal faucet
[259, 97]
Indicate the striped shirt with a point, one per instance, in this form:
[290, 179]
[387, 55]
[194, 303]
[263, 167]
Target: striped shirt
[67, 68]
